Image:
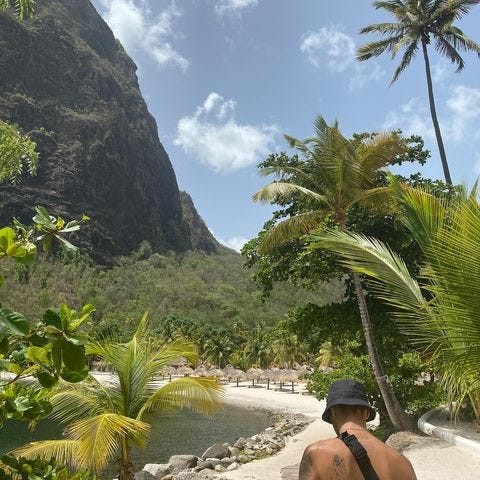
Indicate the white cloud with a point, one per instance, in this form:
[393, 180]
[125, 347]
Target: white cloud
[331, 49]
[133, 23]
[329, 46]
[233, 6]
[412, 118]
[464, 105]
[235, 243]
[212, 135]
[458, 120]
[441, 70]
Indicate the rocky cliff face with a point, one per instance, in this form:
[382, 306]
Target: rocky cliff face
[66, 80]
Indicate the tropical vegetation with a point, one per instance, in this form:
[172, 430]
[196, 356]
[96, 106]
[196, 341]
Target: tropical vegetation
[417, 24]
[103, 421]
[335, 175]
[439, 312]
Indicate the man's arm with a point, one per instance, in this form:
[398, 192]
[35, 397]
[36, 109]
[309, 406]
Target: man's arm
[307, 470]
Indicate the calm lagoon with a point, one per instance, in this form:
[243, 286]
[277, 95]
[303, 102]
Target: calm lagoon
[183, 432]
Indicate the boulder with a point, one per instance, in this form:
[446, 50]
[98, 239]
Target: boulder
[234, 451]
[158, 470]
[216, 451]
[182, 462]
[233, 466]
[143, 476]
[240, 443]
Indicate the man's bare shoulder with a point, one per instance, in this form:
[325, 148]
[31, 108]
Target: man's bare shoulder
[317, 458]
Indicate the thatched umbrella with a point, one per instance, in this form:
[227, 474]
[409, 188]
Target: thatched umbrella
[185, 370]
[168, 372]
[201, 371]
[291, 376]
[216, 373]
[229, 371]
[268, 375]
[254, 374]
[239, 375]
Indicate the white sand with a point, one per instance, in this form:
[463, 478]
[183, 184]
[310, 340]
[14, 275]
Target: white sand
[433, 460]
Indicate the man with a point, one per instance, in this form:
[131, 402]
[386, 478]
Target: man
[348, 410]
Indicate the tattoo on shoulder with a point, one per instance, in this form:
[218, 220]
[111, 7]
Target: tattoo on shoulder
[339, 463]
[306, 468]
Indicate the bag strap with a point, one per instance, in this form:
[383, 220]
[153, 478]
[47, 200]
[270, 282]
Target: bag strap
[360, 455]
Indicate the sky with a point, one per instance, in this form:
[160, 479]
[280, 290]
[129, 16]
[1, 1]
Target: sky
[225, 79]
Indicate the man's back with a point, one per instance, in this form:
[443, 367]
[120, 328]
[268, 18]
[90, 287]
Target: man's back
[331, 459]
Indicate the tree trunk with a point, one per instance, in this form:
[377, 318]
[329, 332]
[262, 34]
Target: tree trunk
[433, 113]
[127, 472]
[396, 413]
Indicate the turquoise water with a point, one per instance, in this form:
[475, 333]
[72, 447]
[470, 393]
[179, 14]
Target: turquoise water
[183, 432]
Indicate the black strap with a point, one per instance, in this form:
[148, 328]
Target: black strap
[360, 455]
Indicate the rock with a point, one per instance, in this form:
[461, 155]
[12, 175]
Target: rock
[142, 475]
[158, 470]
[242, 458]
[402, 440]
[240, 443]
[213, 461]
[227, 460]
[269, 450]
[186, 475]
[182, 462]
[234, 451]
[168, 477]
[207, 473]
[249, 451]
[233, 466]
[219, 468]
[217, 450]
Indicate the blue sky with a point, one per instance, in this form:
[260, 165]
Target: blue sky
[225, 79]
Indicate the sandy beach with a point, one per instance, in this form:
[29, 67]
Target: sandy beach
[432, 459]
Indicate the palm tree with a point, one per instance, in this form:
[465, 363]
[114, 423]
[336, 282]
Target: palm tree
[418, 22]
[442, 314]
[104, 420]
[335, 175]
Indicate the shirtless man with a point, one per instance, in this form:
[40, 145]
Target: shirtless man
[348, 410]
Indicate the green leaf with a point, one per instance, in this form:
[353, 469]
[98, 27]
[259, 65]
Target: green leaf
[15, 322]
[57, 355]
[4, 345]
[47, 380]
[22, 404]
[50, 317]
[7, 238]
[73, 356]
[74, 376]
[37, 355]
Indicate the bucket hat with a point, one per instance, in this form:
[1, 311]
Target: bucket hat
[347, 392]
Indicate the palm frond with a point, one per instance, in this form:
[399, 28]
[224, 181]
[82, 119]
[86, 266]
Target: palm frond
[289, 229]
[98, 438]
[408, 56]
[446, 49]
[72, 402]
[199, 394]
[376, 48]
[279, 191]
[391, 280]
[64, 451]
[423, 213]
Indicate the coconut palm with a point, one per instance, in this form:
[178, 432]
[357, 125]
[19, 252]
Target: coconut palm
[334, 175]
[442, 314]
[104, 420]
[417, 23]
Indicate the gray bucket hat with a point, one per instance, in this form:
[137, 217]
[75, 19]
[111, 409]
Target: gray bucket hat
[347, 392]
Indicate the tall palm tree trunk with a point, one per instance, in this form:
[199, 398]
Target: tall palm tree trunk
[396, 413]
[433, 112]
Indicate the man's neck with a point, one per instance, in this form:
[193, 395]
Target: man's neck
[352, 425]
